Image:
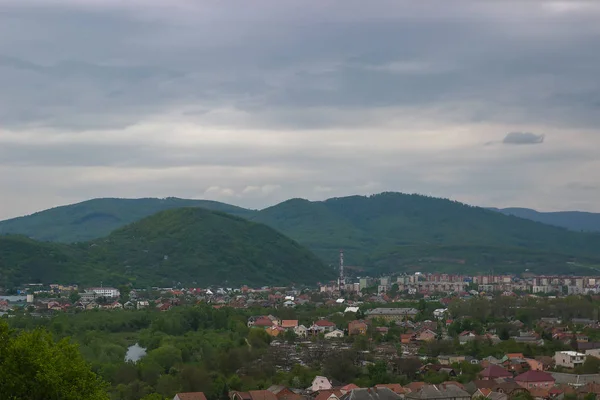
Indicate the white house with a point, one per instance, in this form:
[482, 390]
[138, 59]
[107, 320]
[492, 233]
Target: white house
[320, 383]
[334, 334]
[440, 313]
[569, 359]
[301, 331]
[351, 309]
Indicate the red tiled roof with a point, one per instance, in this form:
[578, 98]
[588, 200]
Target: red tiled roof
[323, 322]
[494, 371]
[534, 376]
[263, 322]
[289, 323]
[191, 396]
[394, 387]
[262, 395]
[325, 394]
[414, 386]
[350, 386]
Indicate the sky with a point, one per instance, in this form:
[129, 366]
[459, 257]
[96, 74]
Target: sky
[493, 103]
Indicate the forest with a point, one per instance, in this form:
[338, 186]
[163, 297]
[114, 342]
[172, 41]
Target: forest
[208, 349]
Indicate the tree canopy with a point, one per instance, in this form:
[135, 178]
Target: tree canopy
[35, 367]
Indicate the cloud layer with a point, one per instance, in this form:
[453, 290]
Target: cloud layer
[254, 104]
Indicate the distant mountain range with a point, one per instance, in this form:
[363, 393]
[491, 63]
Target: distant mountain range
[194, 246]
[572, 220]
[379, 233]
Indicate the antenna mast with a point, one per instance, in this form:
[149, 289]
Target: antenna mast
[342, 280]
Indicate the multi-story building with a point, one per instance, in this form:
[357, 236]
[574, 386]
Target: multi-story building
[105, 292]
[569, 359]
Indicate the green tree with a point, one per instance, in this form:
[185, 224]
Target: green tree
[591, 365]
[35, 367]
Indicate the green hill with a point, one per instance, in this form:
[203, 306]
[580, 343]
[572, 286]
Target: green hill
[388, 231]
[187, 245]
[392, 231]
[99, 217]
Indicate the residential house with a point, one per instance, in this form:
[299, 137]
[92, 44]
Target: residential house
[253, 395]
[394, 387]
[336, 334]
[392, 314]
[426, 336]
[301, 331]
[320, 383]
[322, 326]
[439, 392]
[143, 304]
[488, 394]
[407, 338]
[262, 322]
[493, 372]
[450, 359]
[289, 324]
[274, 331]
[375, 393]
[466, 337]
[284, 393]
[535, 379]
[333, 394]
[190, 396]
[569, 359]
[357, 328]
[347, 388]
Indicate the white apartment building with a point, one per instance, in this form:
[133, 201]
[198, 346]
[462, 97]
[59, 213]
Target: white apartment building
[105, 292]
[569, 359]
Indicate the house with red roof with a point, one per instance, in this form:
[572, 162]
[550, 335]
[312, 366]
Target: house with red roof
[263, 322]
[494, 372]
[535, 379]
[190, 396]
[322, 326]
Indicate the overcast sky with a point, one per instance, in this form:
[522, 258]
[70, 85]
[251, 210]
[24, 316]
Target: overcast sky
[254, 102]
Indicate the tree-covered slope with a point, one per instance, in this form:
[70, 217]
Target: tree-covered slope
[573, 220]
[197, 245]
[193, 246]
[98, 217]
[394, 229]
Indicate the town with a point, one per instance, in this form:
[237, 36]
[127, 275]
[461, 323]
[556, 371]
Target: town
[443, 336]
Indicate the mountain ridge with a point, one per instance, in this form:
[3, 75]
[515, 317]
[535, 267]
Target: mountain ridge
[394, 232]
[190, 245]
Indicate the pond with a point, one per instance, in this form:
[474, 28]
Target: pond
[135, 353]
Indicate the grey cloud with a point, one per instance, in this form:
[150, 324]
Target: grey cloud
[523, 138]
[293, 67]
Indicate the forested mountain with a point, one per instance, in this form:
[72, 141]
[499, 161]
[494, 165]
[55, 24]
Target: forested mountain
[99, 217]
[388, 231]
[573, 220]
[187, 245]
[392, 230]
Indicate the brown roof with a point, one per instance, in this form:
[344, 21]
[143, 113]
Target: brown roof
[414, 386]
[323, 322]
[325, 394]
[263, 322]
[394, 387]
[535, 376]
[289, 323]
[494, 371]
[191, 396]
[262, 395]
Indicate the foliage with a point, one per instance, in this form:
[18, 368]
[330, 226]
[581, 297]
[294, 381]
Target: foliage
[388, 232]
[96, 218]
[186, 245]
[394, 231]
[33, 366]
